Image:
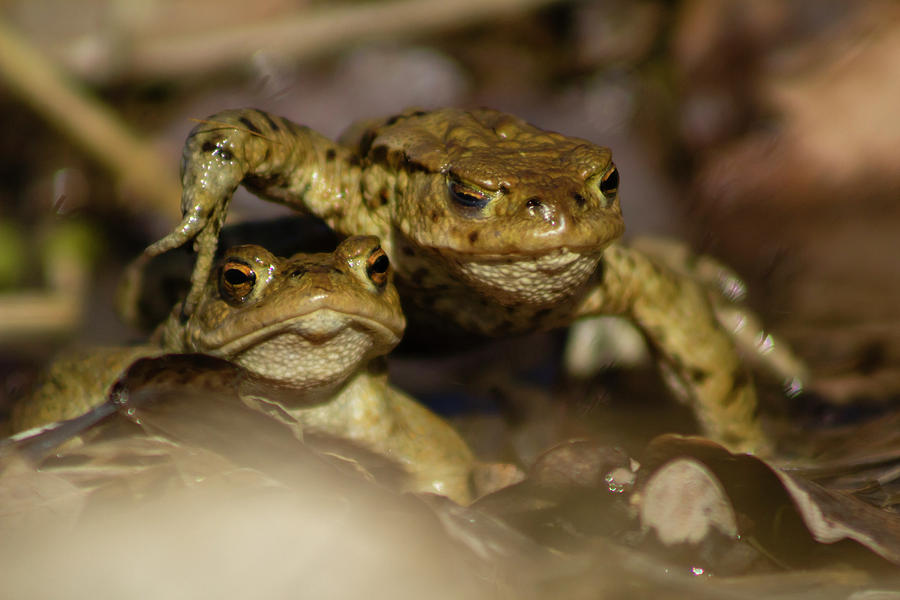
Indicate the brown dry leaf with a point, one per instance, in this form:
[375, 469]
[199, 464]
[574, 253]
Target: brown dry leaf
[761, 492]
[832, 516]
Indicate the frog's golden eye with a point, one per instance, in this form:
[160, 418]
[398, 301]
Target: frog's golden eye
[609, 185]
[467, 196]
[377, 266]
[236, 281]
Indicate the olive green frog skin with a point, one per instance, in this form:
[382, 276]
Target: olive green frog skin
[311, 323]
[491, 224]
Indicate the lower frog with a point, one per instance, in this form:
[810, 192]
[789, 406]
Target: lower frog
[494, 226]
[312, 324]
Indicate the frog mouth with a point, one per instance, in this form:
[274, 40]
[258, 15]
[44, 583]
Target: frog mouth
[315, 351]
[316, 327]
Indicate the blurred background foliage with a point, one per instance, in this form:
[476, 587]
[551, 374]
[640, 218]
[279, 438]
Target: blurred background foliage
[765, 132]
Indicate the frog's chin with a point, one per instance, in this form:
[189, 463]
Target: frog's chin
[311, 351]
[541, 279]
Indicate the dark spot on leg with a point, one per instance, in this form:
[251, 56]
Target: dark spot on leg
[699, 375]
[383, 196]
[579, 199]
[435, 216]
[258, 183]
[330, 154]
[473, 237]
[273, 125]
[214, 146]
[249, 125]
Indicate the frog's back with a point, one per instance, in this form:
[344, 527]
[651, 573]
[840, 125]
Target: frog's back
[73, 384]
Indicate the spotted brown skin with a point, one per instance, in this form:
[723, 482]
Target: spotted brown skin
[491, 224]
[310, 325]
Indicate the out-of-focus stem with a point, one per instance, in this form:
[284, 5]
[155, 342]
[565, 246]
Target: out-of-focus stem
[90, 124]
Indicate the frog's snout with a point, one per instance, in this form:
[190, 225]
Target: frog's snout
[558, 208]
[550, 213]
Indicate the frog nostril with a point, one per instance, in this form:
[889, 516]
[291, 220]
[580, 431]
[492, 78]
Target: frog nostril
[548, 213]
[580, 200]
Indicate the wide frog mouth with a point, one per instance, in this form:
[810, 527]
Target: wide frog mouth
[317, 326]
[320, 348]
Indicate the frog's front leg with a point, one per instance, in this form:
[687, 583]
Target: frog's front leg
[726, 292]
[698, 357]
[274, 158]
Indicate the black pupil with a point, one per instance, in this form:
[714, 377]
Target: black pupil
[610, 183]
[380, 265]
[236, 277]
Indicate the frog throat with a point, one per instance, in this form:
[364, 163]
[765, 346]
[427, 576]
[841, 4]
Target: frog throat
[544, 279]
[319, 348]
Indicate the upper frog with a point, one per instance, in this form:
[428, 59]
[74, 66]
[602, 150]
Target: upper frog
[309, 324]
[493, 225]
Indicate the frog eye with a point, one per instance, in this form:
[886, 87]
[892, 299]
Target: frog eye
[609, 185]
[467, 196]
[377, 266]
[236, 281]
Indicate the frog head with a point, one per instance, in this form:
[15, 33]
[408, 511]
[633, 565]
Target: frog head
[308, 321]
[519, 213]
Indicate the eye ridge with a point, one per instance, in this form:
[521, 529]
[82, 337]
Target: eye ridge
[467, 196]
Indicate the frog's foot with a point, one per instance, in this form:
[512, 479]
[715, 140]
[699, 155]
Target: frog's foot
[130, 287]
[275, 158]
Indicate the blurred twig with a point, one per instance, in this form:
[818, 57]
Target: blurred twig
[60, 100]
[302, 35]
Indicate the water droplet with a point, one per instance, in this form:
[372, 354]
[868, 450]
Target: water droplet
[764, 343]
[793, 387]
